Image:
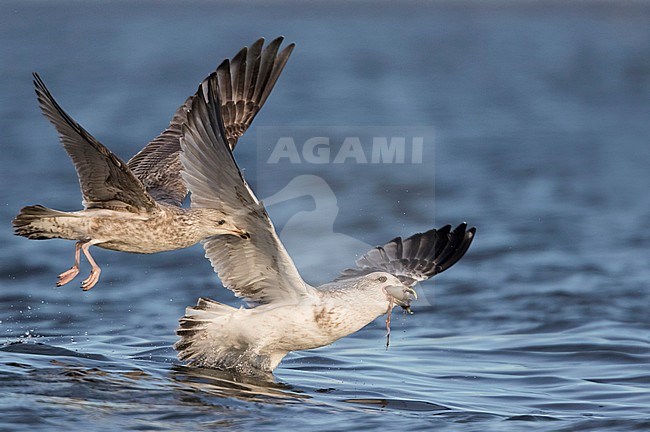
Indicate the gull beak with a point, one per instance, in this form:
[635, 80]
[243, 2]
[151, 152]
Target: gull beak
[241, 233]
[228, 227]
[402, 295]
[233, 230]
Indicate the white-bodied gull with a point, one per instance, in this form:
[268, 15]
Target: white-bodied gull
[136, 206]
[285, 313]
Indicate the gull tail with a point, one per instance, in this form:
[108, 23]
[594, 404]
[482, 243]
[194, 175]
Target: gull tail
[39, 223]
[195, 327]
[215, 335]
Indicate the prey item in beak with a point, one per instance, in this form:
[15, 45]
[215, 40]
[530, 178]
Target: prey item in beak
[398, 295]
[401, 295]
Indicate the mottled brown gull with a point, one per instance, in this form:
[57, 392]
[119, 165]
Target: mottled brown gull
[285, 313]
[136, 206]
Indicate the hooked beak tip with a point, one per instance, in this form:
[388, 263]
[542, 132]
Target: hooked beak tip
[402, 295]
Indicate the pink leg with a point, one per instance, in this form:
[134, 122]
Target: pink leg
[68, 275]
[91, 280]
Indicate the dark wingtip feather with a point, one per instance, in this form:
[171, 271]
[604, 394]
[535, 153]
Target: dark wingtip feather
[246, 83]
[418, 257]
[38, 82]
[458, 244]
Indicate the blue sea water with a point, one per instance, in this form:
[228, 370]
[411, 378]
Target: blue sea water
[534, 117]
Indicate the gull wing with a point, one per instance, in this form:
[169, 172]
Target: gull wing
[417, 258]
[106, 182]
[259, 268]
[245, 82]
[157, 165]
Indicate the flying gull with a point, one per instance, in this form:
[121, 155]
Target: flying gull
[285, 313]
[136, 206]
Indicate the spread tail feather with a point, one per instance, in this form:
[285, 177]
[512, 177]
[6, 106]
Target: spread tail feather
[193, 329]
[210, 337]
[35, 222]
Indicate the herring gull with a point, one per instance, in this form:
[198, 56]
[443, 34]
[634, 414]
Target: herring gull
[285, 313]
[136, 206]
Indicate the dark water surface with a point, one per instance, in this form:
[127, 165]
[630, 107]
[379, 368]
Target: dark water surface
[536, 120]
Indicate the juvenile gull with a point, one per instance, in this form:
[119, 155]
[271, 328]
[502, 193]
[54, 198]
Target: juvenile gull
[285, 312]
[136, 206]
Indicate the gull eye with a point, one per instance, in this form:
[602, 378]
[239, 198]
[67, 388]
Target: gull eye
[382, 279]
[221, 222]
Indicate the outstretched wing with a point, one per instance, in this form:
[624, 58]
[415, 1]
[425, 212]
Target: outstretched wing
[157, 165]
[259, 268]
[417, 258]
[106, 182]
[245, 83]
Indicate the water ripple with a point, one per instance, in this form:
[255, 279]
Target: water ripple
[540, 140]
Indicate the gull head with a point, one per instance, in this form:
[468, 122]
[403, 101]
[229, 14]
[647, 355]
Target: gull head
[219, 223]
[389, 290]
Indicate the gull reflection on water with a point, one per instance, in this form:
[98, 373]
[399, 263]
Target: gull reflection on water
[225, 384]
